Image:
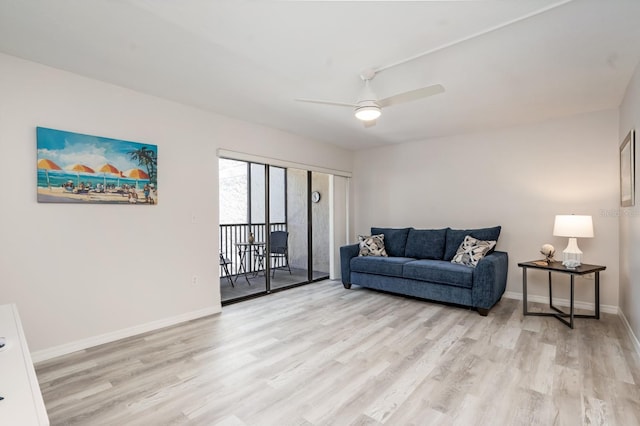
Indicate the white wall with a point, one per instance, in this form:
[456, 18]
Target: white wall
[630, 216]
[338, 204]
[321, 223]
[80, 271]
[519, 178]
[297, 218]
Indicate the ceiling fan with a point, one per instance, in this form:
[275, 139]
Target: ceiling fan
[368, 107]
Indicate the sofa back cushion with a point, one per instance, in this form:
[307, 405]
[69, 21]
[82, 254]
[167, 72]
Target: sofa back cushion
[395, 240]
[426, 243]
[455, 237]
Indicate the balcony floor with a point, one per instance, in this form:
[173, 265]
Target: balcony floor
[257, 284]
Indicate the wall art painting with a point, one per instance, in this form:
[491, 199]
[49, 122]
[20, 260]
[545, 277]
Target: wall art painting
[627, 171]
[77, 168]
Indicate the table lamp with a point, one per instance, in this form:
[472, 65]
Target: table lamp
[573, 226]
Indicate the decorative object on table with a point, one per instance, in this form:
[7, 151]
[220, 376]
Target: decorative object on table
[116, 171]
[573, 226]
[252, 239]
[548, 251]
[627, 170]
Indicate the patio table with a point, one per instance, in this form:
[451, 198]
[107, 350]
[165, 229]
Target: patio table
[244, 248]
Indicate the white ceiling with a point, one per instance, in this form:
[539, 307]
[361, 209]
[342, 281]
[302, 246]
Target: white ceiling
[502, 62]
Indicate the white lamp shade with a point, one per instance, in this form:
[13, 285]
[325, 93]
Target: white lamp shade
[573, 225]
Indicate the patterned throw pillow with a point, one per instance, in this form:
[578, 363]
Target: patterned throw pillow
[372, 245]
[471, 251]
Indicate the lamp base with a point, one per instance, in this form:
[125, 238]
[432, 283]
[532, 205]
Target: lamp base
[572, 255]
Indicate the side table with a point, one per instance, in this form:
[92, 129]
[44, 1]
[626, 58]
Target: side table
[558, 267]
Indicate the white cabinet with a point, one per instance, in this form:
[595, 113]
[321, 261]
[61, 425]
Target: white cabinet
[22, 404]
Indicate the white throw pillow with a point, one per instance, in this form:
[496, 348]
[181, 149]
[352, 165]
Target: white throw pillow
[372, 245]
[471, 251]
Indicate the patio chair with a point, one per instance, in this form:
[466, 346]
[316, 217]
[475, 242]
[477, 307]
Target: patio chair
[225, 263]
[279, 249]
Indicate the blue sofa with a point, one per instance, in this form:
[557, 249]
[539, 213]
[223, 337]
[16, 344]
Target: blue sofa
[419, 265]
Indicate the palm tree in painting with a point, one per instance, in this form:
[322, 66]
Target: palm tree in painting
[147, 158]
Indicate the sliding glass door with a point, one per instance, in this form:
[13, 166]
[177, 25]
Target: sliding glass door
[274, 228]
[242, 229]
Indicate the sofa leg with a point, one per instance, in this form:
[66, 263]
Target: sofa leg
[347, 286]
[484, 312]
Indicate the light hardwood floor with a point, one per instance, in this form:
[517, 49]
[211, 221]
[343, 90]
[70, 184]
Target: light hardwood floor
[323, 355]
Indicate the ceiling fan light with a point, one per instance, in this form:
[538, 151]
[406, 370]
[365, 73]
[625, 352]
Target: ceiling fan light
[368, 112]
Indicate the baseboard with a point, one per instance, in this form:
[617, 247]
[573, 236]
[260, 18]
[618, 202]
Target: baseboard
[632, 336]
[609, 309]
[78, 345]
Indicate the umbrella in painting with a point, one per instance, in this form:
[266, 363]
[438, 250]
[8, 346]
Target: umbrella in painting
[47, 165]
[136, 174]
[80, 168]
[111, 169]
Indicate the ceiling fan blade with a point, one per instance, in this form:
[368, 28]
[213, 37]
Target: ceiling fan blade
[411, 95]
[316, 101]
[369, 123]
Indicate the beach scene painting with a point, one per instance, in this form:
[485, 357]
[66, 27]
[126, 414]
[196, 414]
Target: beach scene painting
[77, 168]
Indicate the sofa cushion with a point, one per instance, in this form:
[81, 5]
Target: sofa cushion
[426, 243]
[440, 272]
[471, 251]
[390, 266]
[456, 236]
[372, 245]
[395, 240]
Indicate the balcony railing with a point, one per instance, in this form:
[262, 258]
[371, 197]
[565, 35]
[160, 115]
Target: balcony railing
[239, 232]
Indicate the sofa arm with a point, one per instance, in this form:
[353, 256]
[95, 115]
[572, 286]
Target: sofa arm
[346, 254]
[490, 280]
